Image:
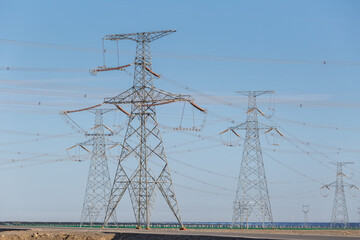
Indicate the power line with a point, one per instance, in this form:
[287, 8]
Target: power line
[317, 125]
[199, 57]
[292, 169]
[203, 191]
[306, 153]
[200, 181]
[36, 164]
[34, 140]
[203, 169]
[32, 69]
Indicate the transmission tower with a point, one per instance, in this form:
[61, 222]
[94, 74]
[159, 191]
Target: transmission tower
[252, 196]
[98, 184]
[339, 215]
[359, 215]
[143, 142]
[305, 210]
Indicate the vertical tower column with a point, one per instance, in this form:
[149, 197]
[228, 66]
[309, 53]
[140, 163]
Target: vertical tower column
[98, 184]
[306, 210]
[252, 197]
[143, 142]
[340, 213]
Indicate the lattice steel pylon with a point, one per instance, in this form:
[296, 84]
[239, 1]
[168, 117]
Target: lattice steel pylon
[143, 141]
[339, 216]
[252, 196]
[98, 183]
[305, 210]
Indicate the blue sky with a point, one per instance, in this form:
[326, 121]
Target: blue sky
[219, 47]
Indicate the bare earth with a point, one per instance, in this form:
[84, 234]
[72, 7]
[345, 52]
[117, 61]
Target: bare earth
[44, 233]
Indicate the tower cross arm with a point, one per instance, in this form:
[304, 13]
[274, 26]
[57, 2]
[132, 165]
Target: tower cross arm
[89, 142]
[341, 163]
[124, 97]
[241, 126]
[264, 126]
[351, 185]
[140, 37]
[154, 97]
[328, 185]
[254, 93]
[161, 96]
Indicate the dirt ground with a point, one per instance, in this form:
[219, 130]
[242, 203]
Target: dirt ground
[18, 233]
[295, 232]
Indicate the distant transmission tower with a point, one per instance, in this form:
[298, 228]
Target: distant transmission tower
[143, 143]
[359, 215]
[252, 196]
[339, 215]
[305, 210]
[98, 184]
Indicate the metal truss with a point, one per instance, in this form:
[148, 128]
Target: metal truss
[252, 197]
[143, 143]
[98, 184]
[339, 215]
[305, 210]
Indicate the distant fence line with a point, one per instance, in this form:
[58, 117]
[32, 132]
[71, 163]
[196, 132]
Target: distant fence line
[283, 225]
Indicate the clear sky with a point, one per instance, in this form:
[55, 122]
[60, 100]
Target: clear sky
[306, 51]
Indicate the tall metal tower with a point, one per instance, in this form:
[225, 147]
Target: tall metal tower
[252, 196]
[339, 215]
[359, 215]
[143, 142]
[98, 184]
[305, 210]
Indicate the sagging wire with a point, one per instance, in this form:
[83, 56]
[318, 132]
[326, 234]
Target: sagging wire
[202, 190]
[195, 149]
[293, 169]
[26, 133]
[203, 169]
[36, 164]
[212, 185]
[202, 94]
[306, 143]
[298, 195]
[183, 186]
[315, 125]
[181, 56]
[35, 140]
[26, 159]
[198, 180]
[304, 151]
[312, 179]
[32, 69]
[320, 153]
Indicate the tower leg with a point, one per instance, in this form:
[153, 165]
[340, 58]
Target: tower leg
[120, 185]
[142, 194]
[167, 190]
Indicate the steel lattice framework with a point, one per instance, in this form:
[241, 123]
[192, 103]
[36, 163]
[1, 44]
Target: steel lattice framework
[143, 142]
[98, 184]
[252, 197]
[339, 213]
[305, 210]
